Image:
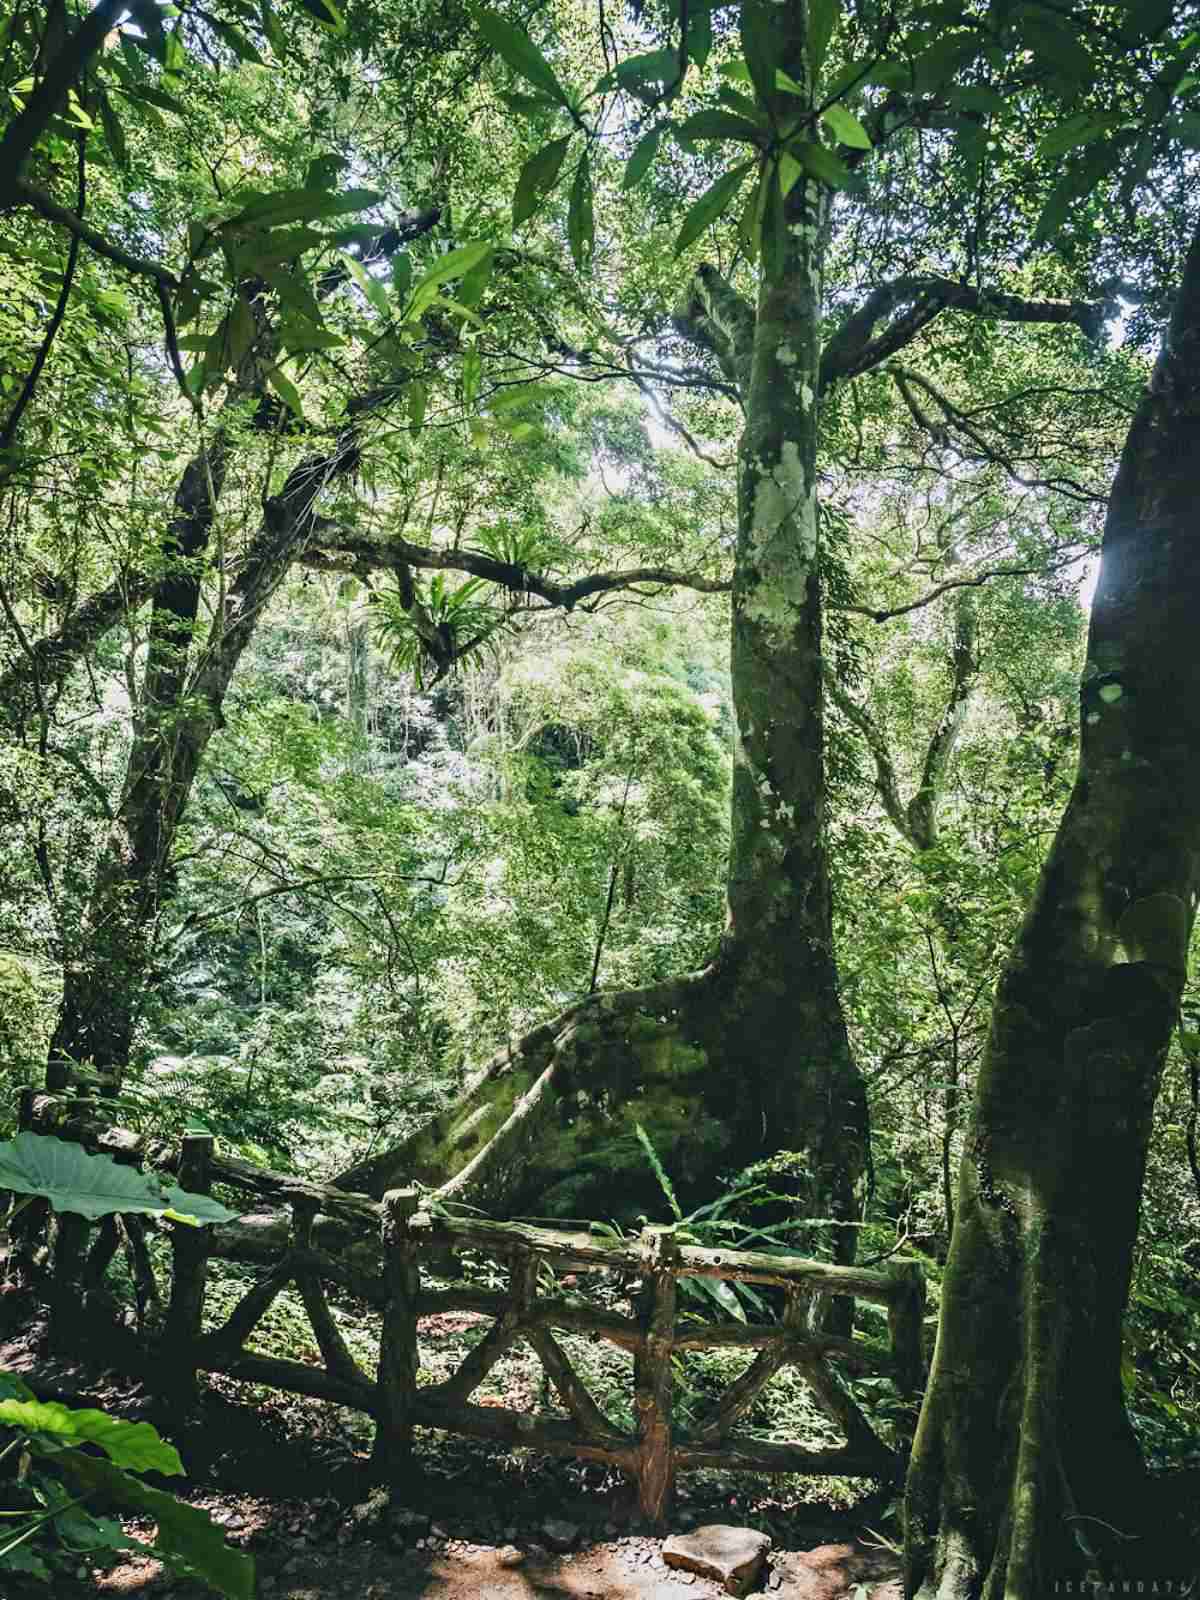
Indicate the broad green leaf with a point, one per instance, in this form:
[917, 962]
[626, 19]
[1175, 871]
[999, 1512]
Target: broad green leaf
[737, 70]
[700, 35]
[72, 1179]
[114, 134]
[943, 60]
[327, 13]
[271, 26]
[514, 46]
[527, 105]
[581, 227]
[185, 1534]
[157, 97]
[1059, 46]
[1079, 180]
[402, 271]
[742, 104]
[538, 176]
[375, 292]
[286, 390]
[788, 84]
[711, 204]
[14, 1388]
[237, 41]
[324, 171]
[846, 128]
[761, 45]
[418, 399]
[301, 205]
[644, 73]
[271, 249]
[1084, 128]
[823, 17]
[643, 154]
[750, 221]
[474, 282]
[821, 163]
[719, 125]
[454, 264]
[136, 1445]
[790, 171]
[472, 371]
[294, 292]
[240, 332]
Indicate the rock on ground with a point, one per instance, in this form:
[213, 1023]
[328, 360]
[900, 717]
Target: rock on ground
[733, 1557]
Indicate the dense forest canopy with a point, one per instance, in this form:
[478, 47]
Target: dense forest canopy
[548, 558]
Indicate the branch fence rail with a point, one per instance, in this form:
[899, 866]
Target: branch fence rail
[320, 1236]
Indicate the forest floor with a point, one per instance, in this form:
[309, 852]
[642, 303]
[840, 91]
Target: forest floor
[288, 1479]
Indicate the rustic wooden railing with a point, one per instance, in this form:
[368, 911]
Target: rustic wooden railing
[373, 1251]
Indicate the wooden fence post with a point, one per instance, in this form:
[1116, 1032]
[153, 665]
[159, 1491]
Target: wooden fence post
[399, 1358]
[652, 1376]
[189, 1272]
[906, 1316]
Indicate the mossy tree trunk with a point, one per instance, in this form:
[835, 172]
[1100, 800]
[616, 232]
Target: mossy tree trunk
[750, 1057]
[1025, 1470]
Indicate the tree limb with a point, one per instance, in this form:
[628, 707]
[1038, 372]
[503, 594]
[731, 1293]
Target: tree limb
[335, 549]
[53, 212]
[714, 316]
[854, 349]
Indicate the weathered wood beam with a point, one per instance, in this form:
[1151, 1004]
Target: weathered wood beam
[652, 1375]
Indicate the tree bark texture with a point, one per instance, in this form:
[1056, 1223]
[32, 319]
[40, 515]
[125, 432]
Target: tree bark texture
[1025, 1471]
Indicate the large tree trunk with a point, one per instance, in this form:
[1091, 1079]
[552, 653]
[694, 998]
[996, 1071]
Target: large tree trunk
[105, 985]
[750, 1057]
[1025, 1470]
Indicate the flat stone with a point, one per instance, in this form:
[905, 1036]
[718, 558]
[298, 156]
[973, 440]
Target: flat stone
[509, 1556]
[559, 1534]
[733, 1557]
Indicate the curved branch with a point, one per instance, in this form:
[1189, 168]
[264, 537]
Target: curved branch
[335, 549]
[853, 349]
[885, 770]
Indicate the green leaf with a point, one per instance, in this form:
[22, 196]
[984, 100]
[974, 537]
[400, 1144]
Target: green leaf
[237, 41]
[719, 125]
[821, 163]
[263, 250]
[761, 45]
[472, 371]
[790, 171]
[375, 292]
[846, 128]
[645, 74]
[750, 222]
[402, 271]
[639, 162]
[271, 26]
[454, 264]
[72, 1179]
[294, 292]
[823, 18]
[326, 13]
[1059, 47]
[136, 1445]
[185, 1535]
[581, 226]
[418, 399]
[527, 105]
[514, 46]
[538, 176]
[742, 104]
[301, 205]
[114, 134]
[286, 390]
[711, 204]
[1080, 179]
[1082, 129]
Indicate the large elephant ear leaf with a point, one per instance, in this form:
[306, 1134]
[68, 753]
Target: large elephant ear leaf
[72, 1179]
[187, 1538]
[136, 1445]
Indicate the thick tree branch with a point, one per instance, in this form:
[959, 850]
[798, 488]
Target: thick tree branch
[335, 549]
[855, 348]
[714, 316]
[885, 769]
[53, 212]
[62, 75]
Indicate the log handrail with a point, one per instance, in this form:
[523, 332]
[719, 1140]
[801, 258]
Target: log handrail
[373, 1250]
